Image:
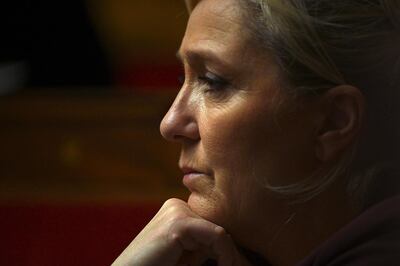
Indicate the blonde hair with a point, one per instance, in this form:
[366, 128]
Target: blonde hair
[320, 44]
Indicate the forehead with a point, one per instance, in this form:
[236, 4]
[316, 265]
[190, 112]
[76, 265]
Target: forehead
[217, 34]
[215, 25]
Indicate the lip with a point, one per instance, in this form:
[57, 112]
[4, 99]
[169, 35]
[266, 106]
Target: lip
[189, 170]
[192, 177]
[193, 181]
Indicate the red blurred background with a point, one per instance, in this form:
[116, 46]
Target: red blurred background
[84, 86]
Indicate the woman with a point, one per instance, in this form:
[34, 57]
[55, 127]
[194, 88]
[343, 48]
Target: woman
[288, 137]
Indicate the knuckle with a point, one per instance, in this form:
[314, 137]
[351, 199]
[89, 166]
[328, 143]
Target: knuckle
[175, 233]
[174, 210]
[171, 202]
[173, 237]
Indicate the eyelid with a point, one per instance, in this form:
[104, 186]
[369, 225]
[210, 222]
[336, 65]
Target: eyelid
[214, 81]
[208, 76]
[215, 78]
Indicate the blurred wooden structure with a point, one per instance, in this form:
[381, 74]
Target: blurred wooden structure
[74, 146]
[81, 172]
[139, 29]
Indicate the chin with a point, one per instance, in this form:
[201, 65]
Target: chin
[216, 212]
[208, 208]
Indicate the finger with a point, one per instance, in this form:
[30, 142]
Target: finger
[224, 248]
[192, 230]
[187, 242]
[194, 258]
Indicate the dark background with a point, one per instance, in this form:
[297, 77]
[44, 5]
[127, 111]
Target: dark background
[57, 41]
[83, 88]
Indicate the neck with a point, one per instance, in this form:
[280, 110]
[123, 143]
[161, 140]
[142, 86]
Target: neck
[307, 226]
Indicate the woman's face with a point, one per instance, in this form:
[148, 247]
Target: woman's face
[235, 124]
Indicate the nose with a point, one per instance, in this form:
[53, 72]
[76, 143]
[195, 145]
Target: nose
[180, 123]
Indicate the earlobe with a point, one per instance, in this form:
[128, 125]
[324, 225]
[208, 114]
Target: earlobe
[343, 112]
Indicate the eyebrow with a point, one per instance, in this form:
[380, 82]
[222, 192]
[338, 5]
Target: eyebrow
[203, 54]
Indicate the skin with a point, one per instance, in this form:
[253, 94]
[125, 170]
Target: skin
[238, 127]
[235, 136]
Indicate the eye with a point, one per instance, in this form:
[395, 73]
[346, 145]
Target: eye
[213, 81]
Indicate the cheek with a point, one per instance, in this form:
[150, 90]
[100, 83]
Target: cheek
[229, 142]
[231, 135]
[239, 148]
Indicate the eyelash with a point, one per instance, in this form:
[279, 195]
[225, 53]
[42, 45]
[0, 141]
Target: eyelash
[214, 82]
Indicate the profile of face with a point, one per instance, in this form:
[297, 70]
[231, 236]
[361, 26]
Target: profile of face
[236, 124]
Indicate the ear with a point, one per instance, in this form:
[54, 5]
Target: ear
[342, 109]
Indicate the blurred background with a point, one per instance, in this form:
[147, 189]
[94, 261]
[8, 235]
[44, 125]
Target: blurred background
[84, 85]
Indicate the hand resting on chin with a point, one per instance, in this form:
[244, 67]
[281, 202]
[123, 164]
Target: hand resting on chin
[178, 236]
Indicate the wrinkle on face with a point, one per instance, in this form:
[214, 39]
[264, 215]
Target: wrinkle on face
[221, 29]
[239, 141]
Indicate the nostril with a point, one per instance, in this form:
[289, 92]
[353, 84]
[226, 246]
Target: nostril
[178, 138]
[191, 131]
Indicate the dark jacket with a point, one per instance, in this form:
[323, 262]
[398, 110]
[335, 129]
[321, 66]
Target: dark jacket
[371, 239]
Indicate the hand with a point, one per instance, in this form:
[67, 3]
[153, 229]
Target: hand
[176, 236]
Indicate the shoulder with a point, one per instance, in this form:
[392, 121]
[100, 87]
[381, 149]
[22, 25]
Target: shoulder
[373, 238]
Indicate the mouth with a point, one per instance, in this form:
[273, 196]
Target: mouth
[193, 178]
